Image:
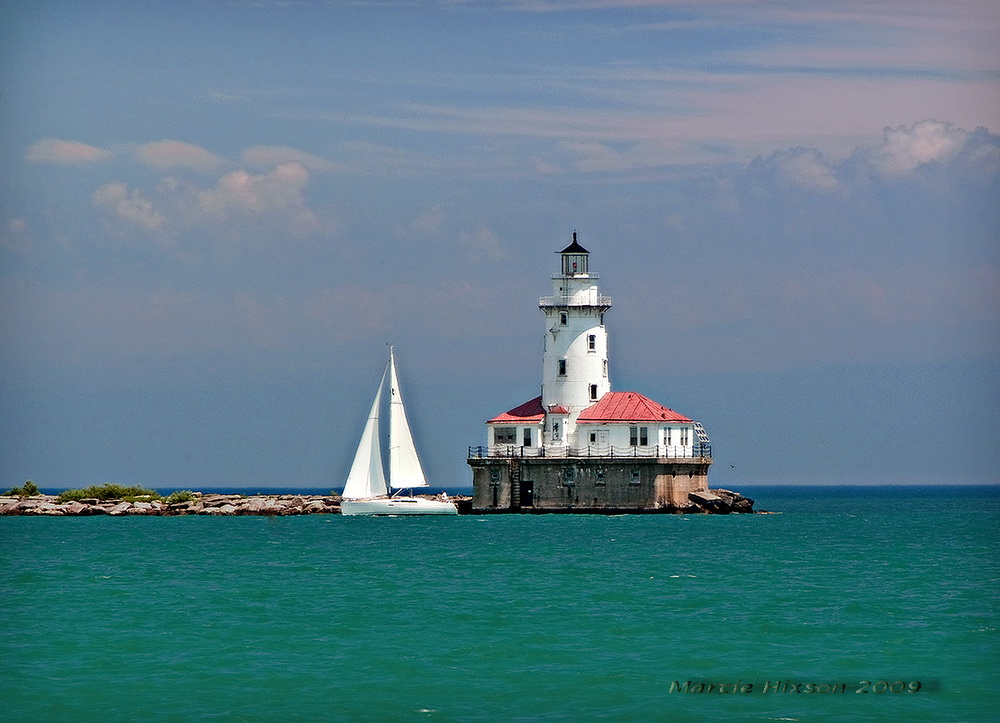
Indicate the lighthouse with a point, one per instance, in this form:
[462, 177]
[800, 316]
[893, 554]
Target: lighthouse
[580, 446]
[575, 347]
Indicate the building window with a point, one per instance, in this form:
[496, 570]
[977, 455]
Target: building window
[494, 476]
[643, 436]
[599, 478]
[602, 318]
[505, 435]
[556, 432]
[668, 435]
[636, 477]
[562, 318]
[593, 392]
[633, 436]
[605, 365]
[684, 437]
[527, 436]
[592, 342]
[569, 475]
[562, 367]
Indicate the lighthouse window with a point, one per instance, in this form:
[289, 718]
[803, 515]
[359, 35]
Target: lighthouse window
[644, 436]
[562, 367]
[605, 365]
[633, 436]
[527, 436]
[593, 391]
[556, 432]
[684, 437]
[592, 342]
[562, 318]
[505, 435]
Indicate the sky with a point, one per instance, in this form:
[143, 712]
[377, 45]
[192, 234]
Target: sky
[215, 216]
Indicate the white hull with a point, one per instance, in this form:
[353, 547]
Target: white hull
[397, 506]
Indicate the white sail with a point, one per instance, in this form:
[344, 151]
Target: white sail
[404, 466]
[367, 479]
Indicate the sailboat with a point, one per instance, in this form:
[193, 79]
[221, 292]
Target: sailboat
[367, 492]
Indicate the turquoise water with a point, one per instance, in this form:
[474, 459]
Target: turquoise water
[509, 617]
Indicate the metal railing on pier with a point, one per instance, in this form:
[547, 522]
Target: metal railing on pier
[509, 451]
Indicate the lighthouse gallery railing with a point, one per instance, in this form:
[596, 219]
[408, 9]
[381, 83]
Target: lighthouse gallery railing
[507, 451]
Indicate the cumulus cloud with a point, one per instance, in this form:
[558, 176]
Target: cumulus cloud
[168, 154]
[905, 148]
[271, 156]
[116, 199]
[808, 168]
[278, 193]
[55, 150]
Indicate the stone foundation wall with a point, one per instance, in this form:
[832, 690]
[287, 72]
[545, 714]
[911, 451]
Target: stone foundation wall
[635, 483]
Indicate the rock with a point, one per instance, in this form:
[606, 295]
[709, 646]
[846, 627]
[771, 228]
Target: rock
[253, 506]
[74, 508]
[47, 508]
[120, 509]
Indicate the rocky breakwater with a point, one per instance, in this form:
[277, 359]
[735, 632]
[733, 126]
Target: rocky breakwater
[201, 504]
[719, 502]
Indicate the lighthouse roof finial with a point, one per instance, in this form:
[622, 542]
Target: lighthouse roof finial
[574, 248]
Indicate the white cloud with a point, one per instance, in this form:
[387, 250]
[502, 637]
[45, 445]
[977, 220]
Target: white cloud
[905, 148]
[271, 156]
[130, 206]
[168, 154]
[808, 168]
[54, 150]
[276, 195]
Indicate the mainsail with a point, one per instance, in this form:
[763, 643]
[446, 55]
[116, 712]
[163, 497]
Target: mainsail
[404, 466]
[366, 478]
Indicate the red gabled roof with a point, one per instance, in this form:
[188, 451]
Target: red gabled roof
[628, 407]
[525, 414]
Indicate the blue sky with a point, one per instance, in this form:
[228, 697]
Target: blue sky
[214, 216]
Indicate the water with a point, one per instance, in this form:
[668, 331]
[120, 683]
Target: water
[508, 617]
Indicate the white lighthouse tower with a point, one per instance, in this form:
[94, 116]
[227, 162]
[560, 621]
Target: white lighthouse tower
[575, 349]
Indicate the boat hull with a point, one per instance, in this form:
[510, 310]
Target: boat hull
[376, 506]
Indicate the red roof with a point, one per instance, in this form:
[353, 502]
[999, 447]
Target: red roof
[527, 413]
[628, 407]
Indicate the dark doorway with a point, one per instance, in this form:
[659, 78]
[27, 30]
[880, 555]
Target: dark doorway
[527, 493]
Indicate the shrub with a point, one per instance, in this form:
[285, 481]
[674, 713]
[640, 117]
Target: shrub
[179, 496]
[28, 489]
[110, 492]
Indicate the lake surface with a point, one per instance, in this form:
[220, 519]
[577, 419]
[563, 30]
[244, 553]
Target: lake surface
[507, 617]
